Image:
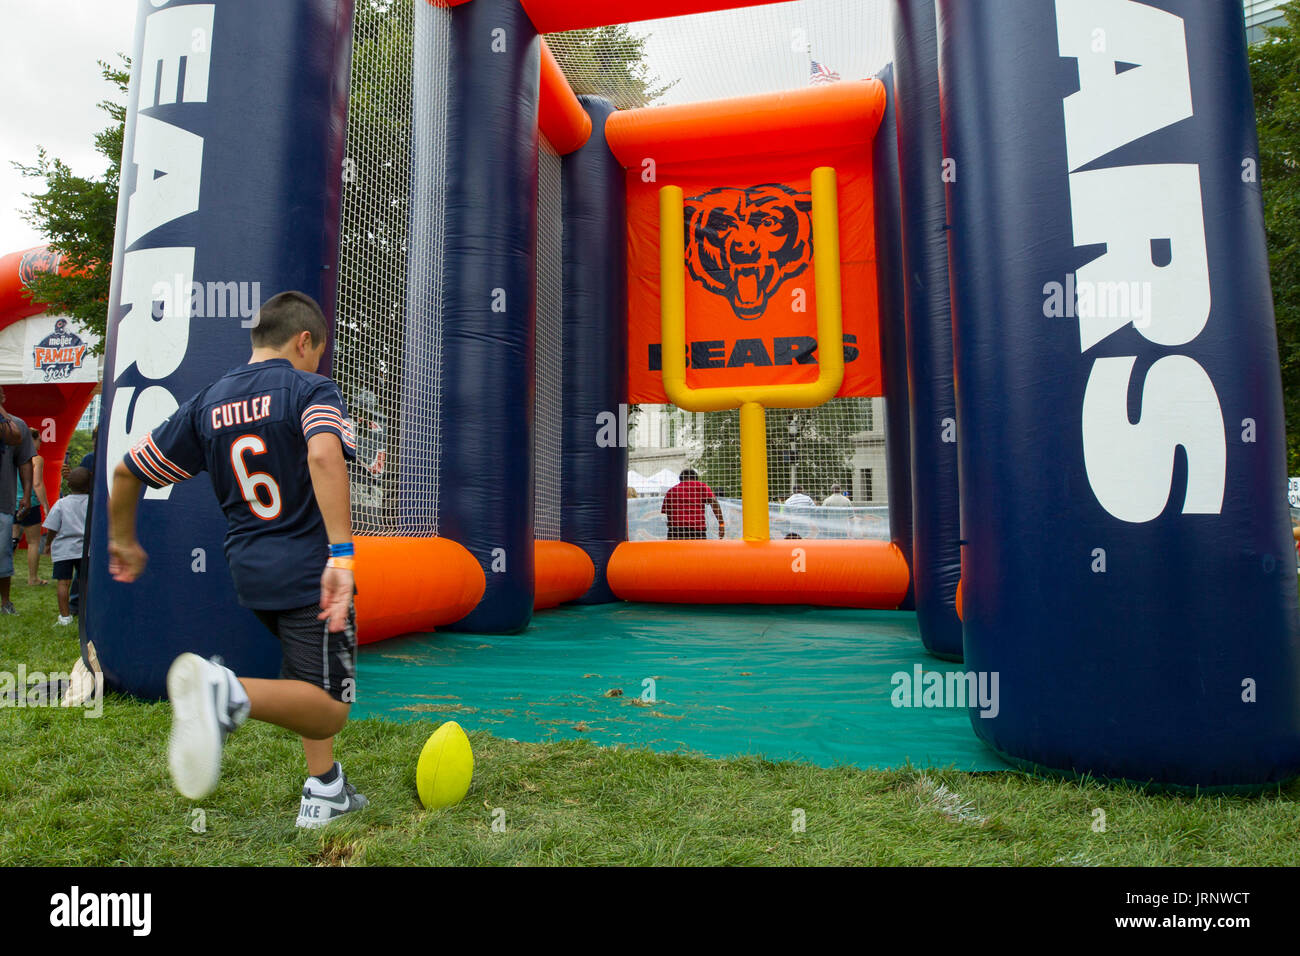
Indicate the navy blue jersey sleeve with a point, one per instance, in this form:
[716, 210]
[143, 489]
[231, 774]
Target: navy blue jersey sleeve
[172, 452]
[323, 413]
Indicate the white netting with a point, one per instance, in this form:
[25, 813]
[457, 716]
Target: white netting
[387, 183]
[838, 445]
[645, 521]
[727, 53]
[384, 178]
[550, 344]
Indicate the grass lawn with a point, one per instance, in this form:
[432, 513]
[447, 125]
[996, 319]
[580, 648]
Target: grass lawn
[79, 791]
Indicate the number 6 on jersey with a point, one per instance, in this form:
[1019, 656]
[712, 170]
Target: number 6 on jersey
[249, 483]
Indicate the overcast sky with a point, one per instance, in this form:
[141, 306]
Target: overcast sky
[51, 84]
[49, 49]
[766, 48]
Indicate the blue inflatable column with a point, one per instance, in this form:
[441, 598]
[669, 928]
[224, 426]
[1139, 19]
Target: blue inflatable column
[231, 173]
[485, 410]
[936, 553]
[893, 329]
[594, 443]
[1127, 572]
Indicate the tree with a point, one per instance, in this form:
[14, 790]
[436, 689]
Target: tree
[1275, 74]
[609, 62]
[78, 216]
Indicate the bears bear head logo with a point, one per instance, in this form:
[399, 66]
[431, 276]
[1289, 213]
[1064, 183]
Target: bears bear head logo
[742, 244]
[37, 261]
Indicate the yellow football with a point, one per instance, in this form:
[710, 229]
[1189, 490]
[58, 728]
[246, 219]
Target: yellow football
[445, 767]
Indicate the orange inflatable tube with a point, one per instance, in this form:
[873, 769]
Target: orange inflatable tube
[410, 585]
[562, 572]
[16, 271]
[825, 573]
[561, 117]
[806, 121]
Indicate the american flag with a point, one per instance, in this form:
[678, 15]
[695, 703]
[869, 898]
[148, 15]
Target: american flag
[820, 74]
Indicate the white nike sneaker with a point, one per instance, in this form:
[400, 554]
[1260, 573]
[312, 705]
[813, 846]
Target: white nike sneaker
[65, 620]
[208, 703]
[322, 803]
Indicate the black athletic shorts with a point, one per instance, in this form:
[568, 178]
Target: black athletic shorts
[311, 653]
[64, 570]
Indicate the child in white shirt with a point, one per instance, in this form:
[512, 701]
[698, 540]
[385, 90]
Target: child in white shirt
[65, 527]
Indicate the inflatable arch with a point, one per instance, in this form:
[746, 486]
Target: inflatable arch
[46, 366]
[1106, 486]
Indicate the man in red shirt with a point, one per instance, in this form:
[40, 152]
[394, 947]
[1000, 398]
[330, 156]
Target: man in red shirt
[684, 508]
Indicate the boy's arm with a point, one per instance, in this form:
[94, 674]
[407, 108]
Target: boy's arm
[50, 527]
[170, 453]
[329, 481]
[126, 559]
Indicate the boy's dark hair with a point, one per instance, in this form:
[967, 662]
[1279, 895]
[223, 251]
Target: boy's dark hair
[284, 316]
[689, 474]
[79, 481]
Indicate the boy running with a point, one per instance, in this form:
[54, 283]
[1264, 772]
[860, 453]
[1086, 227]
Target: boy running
[274, 438]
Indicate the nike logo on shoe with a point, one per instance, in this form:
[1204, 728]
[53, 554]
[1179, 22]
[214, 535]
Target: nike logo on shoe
[342, 802]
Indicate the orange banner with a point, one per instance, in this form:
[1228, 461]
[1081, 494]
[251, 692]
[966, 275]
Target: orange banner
[750, 302]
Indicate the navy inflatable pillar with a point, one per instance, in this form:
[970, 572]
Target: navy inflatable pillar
[936, 553]
[231, 173]
[485, 413]
[1127, 570]
[594, 448]
[893, 329]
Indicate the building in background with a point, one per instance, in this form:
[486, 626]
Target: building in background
[660, 437]
[870, 481]
[90, 418]
[665, 438]
[1261, 14]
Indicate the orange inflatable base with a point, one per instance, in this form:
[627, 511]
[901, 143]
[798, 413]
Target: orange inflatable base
[409, 585]
[561, 572]
[824, 573]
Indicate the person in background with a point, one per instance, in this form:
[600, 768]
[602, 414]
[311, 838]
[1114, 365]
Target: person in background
[836, 499]
[88, 459]
[66, 527]
[798, 499]
[88, 463]
[683, 508]
[33, 511]
[15, 460]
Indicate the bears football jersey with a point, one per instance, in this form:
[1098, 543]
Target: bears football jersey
[249, 432]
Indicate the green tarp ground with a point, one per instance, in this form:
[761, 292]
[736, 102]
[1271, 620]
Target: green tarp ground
[811, 684]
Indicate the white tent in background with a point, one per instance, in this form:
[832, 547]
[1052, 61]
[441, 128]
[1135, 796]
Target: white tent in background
[664, 478]
[645, 486]
[650, 485]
